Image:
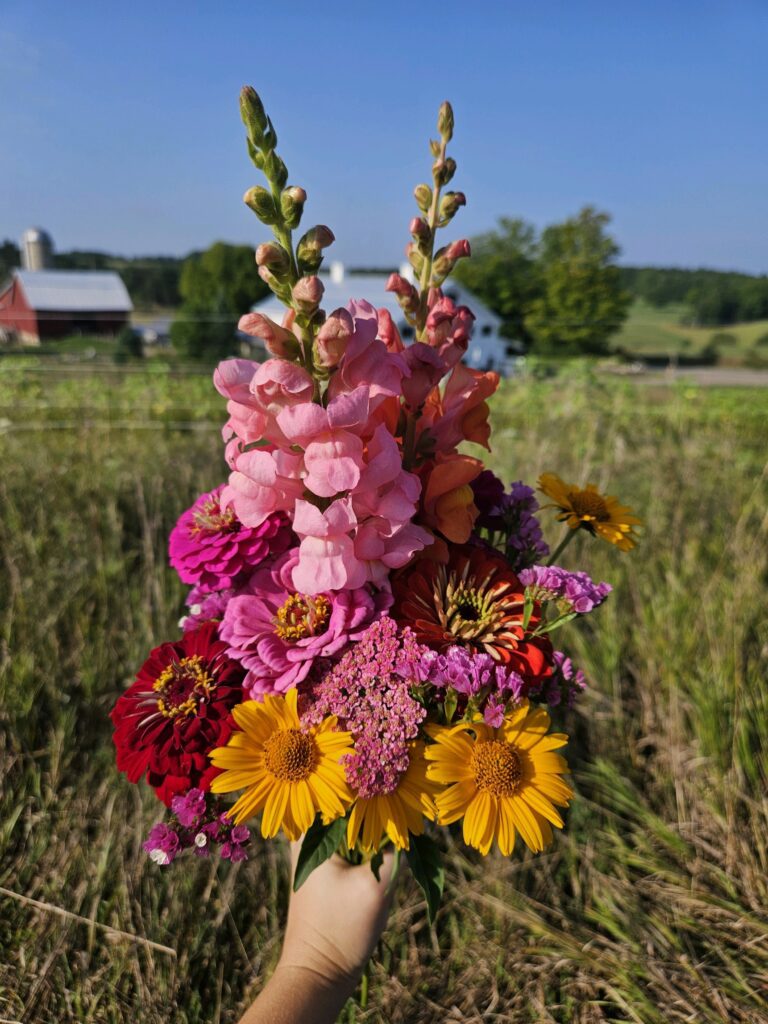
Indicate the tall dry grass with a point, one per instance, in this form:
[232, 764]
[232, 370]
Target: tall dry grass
[651, 907]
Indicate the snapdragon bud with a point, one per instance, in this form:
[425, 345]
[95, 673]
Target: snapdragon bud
[443, 170]
[292, 201]
[278, 340]
[252, 113]
[274, 169]
[445, 121]
[262, 204]
[309, 251]
[274, 257]
[423, 196]
[449, 205]
[447, 257]
[415, 258]
[332, 339]
[307, 294]
[407, 296]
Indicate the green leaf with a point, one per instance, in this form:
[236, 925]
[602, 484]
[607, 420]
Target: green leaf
[426, 863]
[376, 861]
[527, 609]
[320, 843]
[450, 704]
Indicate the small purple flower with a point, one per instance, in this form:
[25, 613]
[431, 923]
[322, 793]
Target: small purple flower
[576, 590]
[565, 684]
[233, 848]
[204, 606]
[512, 515]
[190, 808]
[163, 844]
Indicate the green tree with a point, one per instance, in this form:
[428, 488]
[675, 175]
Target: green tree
[502, 273]
[217, 286]
[10, 257]
[581, 303]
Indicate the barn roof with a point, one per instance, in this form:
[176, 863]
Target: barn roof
[97, 291]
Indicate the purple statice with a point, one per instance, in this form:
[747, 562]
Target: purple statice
[488, 495]
[369, 691]
[473, 676]
[196, 825]
[574, 591]
[190, 808]
[565, 684]
[510, 516]
[525, 544]
[163, 844]
[203, 607]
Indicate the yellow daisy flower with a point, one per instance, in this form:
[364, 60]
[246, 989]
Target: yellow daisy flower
[288, 772]
[397, 814]
[588, 509]
[501, 781]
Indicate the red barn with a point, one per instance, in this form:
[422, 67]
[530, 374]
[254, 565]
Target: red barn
[39, 305]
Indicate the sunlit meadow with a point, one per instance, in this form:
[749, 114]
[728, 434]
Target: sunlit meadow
[650, 907]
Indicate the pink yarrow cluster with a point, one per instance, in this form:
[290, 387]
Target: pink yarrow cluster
[343, 452]
[372, 699]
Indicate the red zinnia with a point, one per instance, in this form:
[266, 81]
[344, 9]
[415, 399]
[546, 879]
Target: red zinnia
[176, 711]
[474, 600]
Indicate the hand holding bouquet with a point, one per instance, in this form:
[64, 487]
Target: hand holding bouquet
[367, 652]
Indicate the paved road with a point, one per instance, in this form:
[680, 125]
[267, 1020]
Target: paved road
[709, 376]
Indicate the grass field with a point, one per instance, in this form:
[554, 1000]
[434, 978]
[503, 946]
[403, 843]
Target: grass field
[656, 330]
[650, 908]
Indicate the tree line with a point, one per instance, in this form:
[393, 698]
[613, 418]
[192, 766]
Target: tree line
[713, 297]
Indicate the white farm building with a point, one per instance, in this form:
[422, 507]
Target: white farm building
[487, 350]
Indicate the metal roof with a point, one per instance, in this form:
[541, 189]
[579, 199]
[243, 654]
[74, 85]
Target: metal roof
[97, 291]
[370, 287]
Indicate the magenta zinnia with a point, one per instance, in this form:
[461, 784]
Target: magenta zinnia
[210, 548]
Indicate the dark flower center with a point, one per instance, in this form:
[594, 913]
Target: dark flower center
[497, 767]
[290, 755]
[300, 616]
[182, 687]
[211, 518]
[589, 505]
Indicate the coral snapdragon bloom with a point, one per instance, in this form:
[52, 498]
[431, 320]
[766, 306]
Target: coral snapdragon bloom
[289, 772]
[397, 814]
[501, 781]
[587, 509]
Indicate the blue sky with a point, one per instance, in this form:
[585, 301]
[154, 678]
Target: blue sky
[120, 129]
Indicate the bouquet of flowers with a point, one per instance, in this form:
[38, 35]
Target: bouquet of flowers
[366, 653]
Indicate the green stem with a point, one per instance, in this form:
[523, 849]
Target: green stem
[364, 986]
[426, 270]
[562, 546]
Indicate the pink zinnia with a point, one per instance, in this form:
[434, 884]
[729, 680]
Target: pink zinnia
[278, 634]
[210, 548]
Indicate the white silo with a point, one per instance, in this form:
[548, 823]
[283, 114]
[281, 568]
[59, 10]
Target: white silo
[36, 249]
